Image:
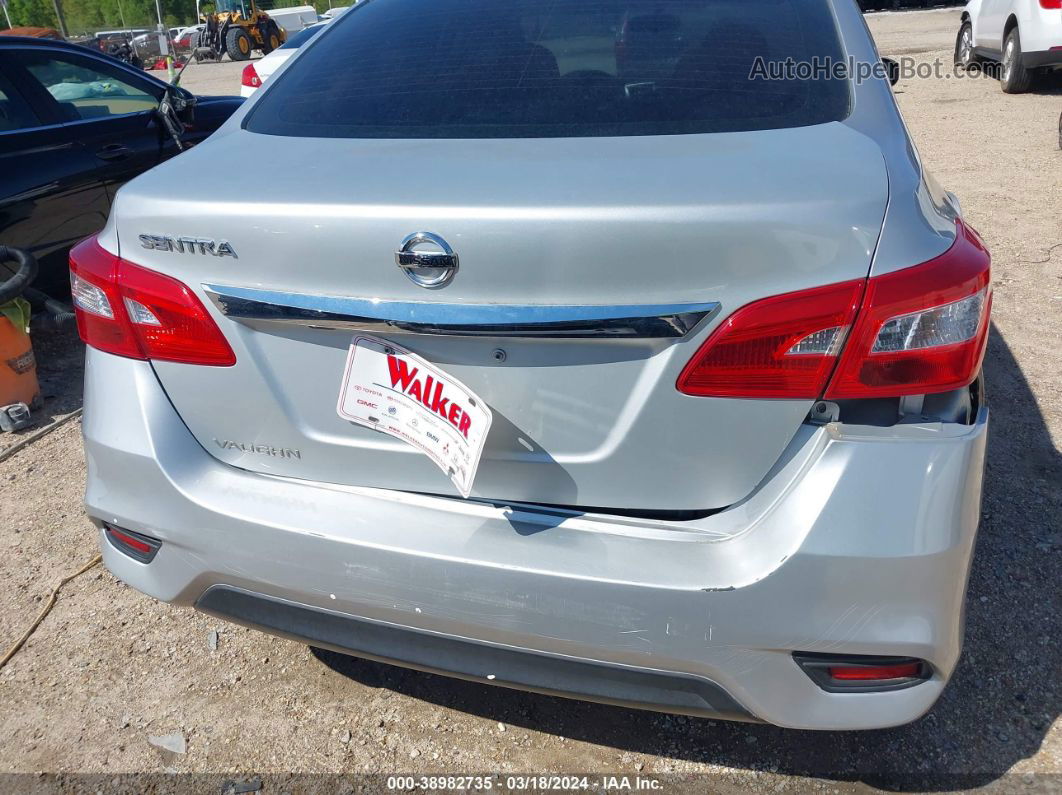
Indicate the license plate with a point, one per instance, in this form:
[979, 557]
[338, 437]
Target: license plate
[396, 392]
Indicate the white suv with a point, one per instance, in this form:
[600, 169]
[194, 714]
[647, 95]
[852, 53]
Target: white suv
[1022, 35]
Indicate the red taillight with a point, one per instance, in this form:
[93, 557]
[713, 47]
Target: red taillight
[250, 77]
[875, 673]
[921, 330]
[916, 331]
[1051, 5]
[785, 346]
[135, 312]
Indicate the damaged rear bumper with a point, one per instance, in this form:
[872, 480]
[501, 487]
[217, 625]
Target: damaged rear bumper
[858, 542]
[518, 668]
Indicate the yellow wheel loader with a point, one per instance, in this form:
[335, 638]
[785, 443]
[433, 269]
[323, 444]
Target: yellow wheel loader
[238, 27]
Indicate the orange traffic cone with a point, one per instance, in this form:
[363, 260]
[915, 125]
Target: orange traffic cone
[18, 368]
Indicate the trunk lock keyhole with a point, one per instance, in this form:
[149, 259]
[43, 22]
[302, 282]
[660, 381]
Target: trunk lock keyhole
[499, 355]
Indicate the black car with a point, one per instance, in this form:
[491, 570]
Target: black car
[74, 126]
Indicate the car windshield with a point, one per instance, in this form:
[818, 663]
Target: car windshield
[231, 5]
[525, 68]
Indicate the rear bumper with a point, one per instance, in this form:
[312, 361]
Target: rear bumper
[858, 542]
[1039, 33]
[559, 676]
[1036, 60]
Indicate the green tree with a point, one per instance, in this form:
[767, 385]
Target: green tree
[89, 16]
[34, 13]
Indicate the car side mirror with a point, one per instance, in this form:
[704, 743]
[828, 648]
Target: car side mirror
[892, 69]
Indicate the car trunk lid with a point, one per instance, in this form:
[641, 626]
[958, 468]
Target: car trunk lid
[612, 226]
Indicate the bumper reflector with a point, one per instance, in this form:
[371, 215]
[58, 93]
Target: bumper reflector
[855, 673]
[136, 545]
[863, 673]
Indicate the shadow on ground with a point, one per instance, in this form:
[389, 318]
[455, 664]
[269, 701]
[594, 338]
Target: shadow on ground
[1047, 83]
[1001, 701]
[60, 359]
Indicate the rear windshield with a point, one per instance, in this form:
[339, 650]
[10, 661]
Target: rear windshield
[557, 68]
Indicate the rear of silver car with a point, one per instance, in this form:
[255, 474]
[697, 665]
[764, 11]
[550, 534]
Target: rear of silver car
[728, 331]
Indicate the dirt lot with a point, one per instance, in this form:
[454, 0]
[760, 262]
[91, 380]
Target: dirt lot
[109, 667]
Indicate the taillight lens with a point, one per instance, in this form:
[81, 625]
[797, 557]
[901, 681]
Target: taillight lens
[916, 331]
[1051, 5]
[250, 76]
[785, 346]
[921, 330]
[131, 311]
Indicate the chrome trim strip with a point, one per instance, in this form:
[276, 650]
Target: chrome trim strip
[550, 321]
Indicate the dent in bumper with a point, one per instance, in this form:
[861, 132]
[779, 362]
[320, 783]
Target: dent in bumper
[858, 542]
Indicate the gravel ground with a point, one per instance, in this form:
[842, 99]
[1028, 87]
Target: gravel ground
[110, 668]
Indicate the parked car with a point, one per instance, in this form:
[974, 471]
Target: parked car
[148, 47]
[74, 126]
[106, 38]
[1022, 36]
[257, 72]
[657, 389]
[109, 41]
[188, 38]
[334, 12]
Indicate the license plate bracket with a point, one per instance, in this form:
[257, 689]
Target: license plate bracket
[396, 392]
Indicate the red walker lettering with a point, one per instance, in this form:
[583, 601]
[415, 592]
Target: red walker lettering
[402, 376]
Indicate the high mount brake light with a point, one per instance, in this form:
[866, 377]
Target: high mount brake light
[915, 331]
[131, 311]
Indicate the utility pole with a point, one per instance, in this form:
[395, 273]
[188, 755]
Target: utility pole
[59, 17]
[164, 48]
[7, 16]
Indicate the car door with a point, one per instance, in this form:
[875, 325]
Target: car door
[988, 28]
[50, 193]
[108, 109]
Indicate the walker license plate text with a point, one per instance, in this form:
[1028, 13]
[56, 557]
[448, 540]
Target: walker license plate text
[398, 393]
